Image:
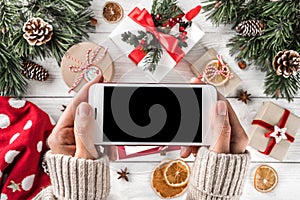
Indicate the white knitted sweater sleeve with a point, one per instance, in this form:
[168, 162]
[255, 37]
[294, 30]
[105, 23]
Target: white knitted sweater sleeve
[218, 176]
[73, 178]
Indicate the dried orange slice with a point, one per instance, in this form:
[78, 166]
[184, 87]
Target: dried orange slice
[112, 12]
[160, 185]
[212, 75]
[265, 178]
[177, 173]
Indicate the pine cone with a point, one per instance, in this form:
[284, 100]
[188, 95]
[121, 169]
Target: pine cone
[250, 28]
[31, 70]
[286, 63]
[37, 32]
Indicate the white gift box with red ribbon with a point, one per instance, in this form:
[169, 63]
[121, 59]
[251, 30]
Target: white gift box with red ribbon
[139, 19]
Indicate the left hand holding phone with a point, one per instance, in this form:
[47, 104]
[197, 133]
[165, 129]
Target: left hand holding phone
[73, 133]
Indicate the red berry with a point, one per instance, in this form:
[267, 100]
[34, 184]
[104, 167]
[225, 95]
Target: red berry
[178, 19]
[181, 29]
[158, 17]
[172, 21]
[185, 33]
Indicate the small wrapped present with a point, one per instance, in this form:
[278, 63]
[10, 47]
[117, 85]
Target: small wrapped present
[273, 130]
[82, 63]
[155, 42]
[199, 67]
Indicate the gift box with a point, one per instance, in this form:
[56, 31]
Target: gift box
[156, 49]
[125, 152]
[198, 68]
[82, 63]
[273, 130]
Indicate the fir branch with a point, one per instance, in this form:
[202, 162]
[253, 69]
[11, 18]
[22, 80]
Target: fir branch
[250, 10]
[226, 12]
[9, 18]
[24, 50]
[282, 31]
[152, 58]
[250, 49]
[167, 9]
[12, 83]
[278, 86]
[71, 23]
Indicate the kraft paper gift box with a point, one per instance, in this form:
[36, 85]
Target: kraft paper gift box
[167, 61]
[199, 66]
[273, 130]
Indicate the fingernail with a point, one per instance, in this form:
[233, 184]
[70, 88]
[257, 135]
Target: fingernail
[222, 108]
[84, 110]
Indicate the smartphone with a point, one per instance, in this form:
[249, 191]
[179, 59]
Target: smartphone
[152, 114]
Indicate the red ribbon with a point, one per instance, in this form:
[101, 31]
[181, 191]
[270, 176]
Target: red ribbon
[169, 42]
[270, 128]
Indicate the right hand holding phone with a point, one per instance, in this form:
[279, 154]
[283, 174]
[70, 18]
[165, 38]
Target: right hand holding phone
[228, 134]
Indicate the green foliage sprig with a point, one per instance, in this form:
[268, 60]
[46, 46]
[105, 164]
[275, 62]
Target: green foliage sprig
[282, 31]
[71, 23]
[167, 9]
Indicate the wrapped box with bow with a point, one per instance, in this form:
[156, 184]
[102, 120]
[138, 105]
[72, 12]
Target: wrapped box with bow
[156, 41]
[83, 61]
[273, 130]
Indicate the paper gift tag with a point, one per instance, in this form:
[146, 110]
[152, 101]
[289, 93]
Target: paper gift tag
[199, 66]
[86, 58]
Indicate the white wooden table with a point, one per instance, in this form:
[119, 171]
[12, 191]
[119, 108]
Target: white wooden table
[51, 94]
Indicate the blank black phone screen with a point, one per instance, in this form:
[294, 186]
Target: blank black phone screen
[152, 114]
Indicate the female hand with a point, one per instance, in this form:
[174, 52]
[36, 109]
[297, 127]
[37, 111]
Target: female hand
[73, 133]
[228, 134]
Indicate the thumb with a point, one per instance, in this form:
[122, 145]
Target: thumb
[83, 130]
[221, 129]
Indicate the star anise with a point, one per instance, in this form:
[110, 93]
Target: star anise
[123, 174]
[244, 96]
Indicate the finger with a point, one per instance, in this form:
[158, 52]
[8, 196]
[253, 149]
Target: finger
[67, 118]
[82, 95]
[62, 142]
[197, 80]
[185, 152]
[195, 151]
[111, 151]
[83, 131]
[221, 129]
[239, 139]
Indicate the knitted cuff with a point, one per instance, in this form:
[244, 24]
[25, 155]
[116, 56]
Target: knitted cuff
[218, 176]
[45, 194]
[74, 178]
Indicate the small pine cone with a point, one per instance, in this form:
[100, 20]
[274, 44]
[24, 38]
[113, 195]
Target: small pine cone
[31, 70]
[250, 28]
[286, 63]
[37, 32]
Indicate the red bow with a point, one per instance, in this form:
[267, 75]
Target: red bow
[271, 129]
[169, 42]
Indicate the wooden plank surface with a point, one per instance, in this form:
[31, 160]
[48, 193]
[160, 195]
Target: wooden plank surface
[139, 185]
[52, 94]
